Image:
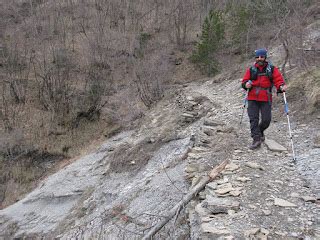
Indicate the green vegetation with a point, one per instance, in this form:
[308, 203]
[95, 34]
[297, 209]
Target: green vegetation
[239, 28]
[143, 41]
[212, 37]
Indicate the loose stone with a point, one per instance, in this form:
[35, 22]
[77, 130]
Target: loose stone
[309, 199]
[251, 232]
[266, 212]
[243, 179]
[254, 165]
[283, 203]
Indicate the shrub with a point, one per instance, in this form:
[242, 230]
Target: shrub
[211, 40]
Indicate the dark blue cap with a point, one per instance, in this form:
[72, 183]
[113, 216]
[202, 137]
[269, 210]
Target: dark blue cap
[260, 52]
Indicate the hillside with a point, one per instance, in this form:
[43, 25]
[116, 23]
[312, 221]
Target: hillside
[134, 178]
[111, 111]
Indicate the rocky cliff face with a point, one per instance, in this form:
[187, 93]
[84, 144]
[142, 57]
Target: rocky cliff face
[127, 185]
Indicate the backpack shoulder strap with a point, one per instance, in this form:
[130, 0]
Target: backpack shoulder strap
[253, 72]
[269, 71]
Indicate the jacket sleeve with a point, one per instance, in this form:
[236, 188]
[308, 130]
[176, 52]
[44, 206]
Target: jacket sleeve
[277, 78]
[245, 79]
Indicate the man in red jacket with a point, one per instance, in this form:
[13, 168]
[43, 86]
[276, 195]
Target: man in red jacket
[259, 80]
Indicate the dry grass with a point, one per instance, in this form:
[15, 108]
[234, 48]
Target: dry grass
[304, 91]
[130, 158]
[315, 90]
[185, 71]
[21, 175]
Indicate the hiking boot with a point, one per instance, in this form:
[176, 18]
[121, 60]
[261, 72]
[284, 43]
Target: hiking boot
[262, 138]
[256, 143]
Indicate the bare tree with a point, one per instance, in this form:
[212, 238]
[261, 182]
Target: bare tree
[151, 73]
[17, 69]
[53, 76]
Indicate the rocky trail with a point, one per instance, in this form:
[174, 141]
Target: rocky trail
[264, 191]
[136, 177]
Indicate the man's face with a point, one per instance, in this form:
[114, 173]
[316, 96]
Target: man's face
[260, 60]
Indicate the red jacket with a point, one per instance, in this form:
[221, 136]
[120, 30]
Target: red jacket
[260, 86]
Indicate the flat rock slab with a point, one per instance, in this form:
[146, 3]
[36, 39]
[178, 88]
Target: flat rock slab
[274, 146]
[309, 199]
[243, 179]
[213, 230]
[219, 205]
[283, 203]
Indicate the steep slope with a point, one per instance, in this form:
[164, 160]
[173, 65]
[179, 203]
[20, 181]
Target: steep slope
[130, 183]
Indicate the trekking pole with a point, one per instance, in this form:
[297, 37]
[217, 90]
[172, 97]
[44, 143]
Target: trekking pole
[290, 134]
[244, 105]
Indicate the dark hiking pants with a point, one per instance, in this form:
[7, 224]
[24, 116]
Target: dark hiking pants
[256, 108]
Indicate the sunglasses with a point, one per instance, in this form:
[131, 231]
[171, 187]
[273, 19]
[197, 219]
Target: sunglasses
[260, 56]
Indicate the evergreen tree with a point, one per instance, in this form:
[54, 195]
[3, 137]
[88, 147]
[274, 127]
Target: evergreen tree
[239, 28]
[210, 41]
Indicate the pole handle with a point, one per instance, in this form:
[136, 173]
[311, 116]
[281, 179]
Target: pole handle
[286, 107]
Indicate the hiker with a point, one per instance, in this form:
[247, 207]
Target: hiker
[258, 81]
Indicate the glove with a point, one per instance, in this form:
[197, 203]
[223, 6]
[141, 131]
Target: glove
[282, 88]
[248, 84]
